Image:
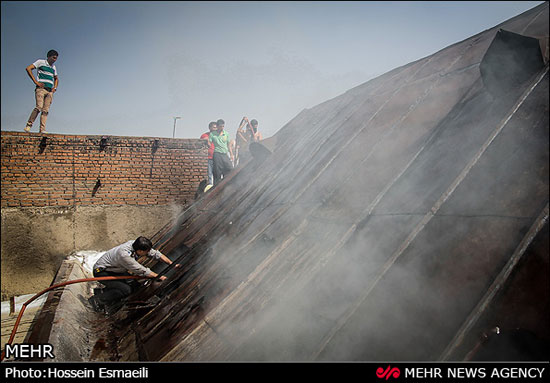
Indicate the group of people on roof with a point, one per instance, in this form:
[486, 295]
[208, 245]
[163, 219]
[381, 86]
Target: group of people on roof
[224, 153]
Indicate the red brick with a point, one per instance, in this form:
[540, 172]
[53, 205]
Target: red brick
[129, 172]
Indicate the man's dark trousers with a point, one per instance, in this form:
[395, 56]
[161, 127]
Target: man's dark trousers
[114, 290]
[222, 166]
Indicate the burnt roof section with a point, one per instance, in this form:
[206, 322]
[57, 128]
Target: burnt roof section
[376, 228]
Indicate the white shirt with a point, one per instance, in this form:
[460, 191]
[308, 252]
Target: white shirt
[122, 259]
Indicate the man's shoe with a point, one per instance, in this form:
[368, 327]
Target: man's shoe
[96, 305]
[27, 129]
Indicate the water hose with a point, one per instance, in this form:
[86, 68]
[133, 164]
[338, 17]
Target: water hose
[24, 306]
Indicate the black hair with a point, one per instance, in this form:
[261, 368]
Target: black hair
[220, 122]
[254, 124]
[142, 243]
[211, 124]
[52, 53]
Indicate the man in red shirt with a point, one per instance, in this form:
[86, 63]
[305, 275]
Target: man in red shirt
[204, 136]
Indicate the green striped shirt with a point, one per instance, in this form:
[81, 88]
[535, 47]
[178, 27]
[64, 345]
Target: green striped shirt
[46, 72]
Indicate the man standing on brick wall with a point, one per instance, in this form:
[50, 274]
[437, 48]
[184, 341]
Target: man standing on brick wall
[222, 164]
[46, 85]
[205, 136]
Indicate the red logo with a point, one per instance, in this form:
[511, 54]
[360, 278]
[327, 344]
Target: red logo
[388, 372]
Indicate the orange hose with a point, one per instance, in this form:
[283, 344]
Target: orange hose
[24, 306]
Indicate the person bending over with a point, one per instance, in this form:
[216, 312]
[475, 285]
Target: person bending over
[122, 261]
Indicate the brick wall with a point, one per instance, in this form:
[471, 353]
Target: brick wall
[70, 170]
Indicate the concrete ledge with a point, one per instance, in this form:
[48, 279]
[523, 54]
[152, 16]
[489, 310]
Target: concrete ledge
[66, 321]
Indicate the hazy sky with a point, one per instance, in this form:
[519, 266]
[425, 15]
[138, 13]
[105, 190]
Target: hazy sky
[127, 68]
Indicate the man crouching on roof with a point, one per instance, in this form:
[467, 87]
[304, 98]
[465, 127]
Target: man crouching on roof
[122, 261]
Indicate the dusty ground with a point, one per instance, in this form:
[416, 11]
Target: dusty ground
[34, 241]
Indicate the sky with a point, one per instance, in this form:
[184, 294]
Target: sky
[128, 68]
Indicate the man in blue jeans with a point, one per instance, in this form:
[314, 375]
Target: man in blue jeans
[205, 136]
